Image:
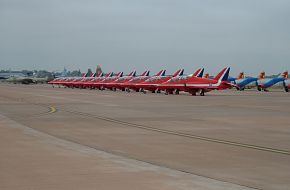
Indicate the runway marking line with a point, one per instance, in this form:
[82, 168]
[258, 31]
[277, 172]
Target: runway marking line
[52, 109]
[266, 149]
[208, 139]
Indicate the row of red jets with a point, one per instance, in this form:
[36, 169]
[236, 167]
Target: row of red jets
[176, 83]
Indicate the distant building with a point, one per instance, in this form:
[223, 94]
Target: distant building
[11, 74]
[99, 70]
[64, 72]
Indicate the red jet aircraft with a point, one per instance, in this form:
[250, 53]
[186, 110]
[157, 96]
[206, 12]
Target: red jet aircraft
[90, 84]
[79, 83]
[112, 84]
[120, 83]
[195, 84]
[101, 84]
[133, 83]
[65, 81]
[151, 84]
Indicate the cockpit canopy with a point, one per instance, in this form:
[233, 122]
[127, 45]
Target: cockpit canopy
[178, 78]
[156, 78]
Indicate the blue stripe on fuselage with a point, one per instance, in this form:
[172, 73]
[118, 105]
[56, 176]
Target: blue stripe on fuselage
[246, 81]
[272, 82]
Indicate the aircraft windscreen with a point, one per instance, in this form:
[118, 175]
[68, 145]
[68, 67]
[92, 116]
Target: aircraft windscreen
[137, 79]
[122, 79]
[154, 79]
[179, 78]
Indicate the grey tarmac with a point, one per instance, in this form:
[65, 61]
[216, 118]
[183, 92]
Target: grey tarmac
[57, 138]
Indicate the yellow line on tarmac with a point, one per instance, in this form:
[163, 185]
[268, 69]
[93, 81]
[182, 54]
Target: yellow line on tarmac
[52, 109]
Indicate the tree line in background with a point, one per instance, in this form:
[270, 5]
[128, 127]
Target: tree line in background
[44, 73]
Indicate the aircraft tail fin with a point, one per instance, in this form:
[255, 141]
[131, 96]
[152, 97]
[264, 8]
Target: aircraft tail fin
[100, 74]
[110, 74]
[198, 73]
[241, 75]
[223, 75]
[146, 73]
[161, 73]
[86, 75]
[120, 74]
[93, 75]
[178, 73]
[285, 75]
[133, 73]
[262, 75]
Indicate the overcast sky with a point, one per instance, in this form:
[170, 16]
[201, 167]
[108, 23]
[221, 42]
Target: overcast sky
[248, 35]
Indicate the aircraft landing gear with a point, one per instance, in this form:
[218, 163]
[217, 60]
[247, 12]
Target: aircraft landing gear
[240, 89]
[168, 92]
[177, 92]
[201, 93]
[158, 91]
[142, 90]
